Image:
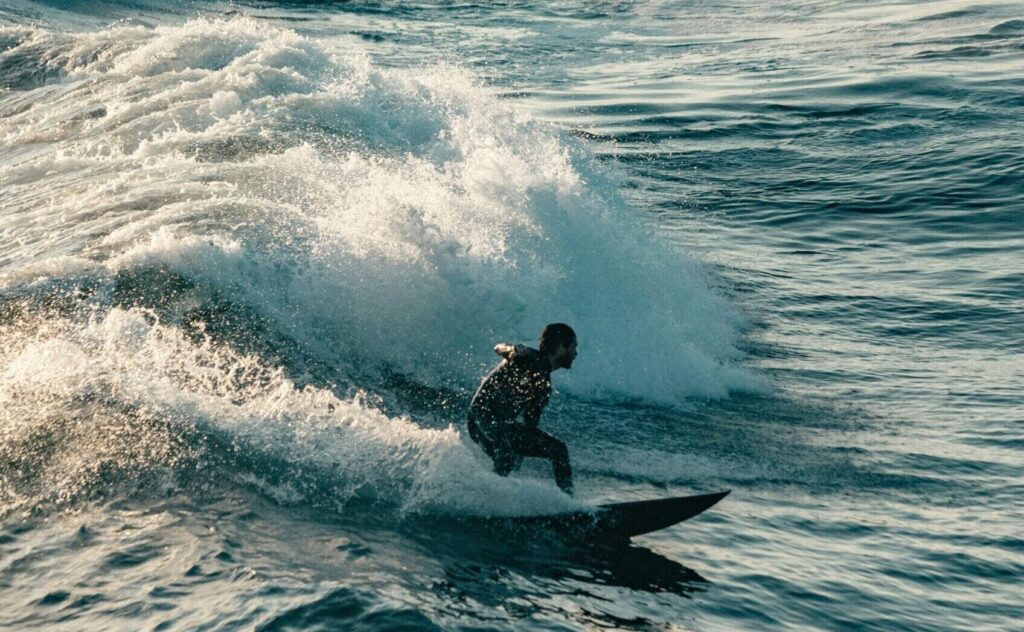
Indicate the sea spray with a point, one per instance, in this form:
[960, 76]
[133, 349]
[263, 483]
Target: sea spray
[395, 219]
[124, 402]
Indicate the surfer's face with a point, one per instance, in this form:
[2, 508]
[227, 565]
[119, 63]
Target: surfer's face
[566, 354]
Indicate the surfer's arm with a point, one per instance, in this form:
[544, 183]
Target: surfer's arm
[507, 350]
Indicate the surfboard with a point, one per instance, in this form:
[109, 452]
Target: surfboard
[622, 521]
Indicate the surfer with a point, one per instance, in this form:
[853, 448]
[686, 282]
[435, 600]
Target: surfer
[521, 384]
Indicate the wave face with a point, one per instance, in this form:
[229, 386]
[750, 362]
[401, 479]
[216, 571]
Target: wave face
[236, 227]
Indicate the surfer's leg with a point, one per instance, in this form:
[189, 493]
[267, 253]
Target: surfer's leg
[478, 436]
[498, 451]
[532, 441]
[505, 458]
[495, 444]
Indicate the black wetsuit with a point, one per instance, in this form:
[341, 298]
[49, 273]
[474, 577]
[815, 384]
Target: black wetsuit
[521, 384]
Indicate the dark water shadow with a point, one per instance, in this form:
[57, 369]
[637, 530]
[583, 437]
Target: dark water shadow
[471, 554]
[529, 577]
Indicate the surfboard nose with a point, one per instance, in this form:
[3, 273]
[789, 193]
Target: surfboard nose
[625, 520]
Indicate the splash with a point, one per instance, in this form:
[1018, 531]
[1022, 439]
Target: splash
[126, 402]
[353, 205]
[322, 212]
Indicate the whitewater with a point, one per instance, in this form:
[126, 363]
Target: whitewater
[254, 258]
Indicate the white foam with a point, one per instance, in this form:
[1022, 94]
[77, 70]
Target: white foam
[436, 205]
[399, 218]
[154, 371]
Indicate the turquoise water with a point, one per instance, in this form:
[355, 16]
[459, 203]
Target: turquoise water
[253, 257]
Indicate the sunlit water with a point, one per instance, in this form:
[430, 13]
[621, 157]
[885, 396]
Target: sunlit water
[253, 257]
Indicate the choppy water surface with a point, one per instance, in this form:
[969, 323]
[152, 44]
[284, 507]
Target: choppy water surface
[253, 257]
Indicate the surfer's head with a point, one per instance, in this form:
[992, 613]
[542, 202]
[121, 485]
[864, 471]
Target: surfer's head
[558, 343]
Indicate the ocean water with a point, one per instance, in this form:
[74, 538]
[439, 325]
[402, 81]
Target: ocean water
[254, 256]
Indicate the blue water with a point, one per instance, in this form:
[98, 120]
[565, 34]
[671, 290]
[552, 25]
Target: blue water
[254, 255]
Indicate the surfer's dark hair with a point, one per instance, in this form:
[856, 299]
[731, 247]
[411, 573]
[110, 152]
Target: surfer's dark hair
[556, 335]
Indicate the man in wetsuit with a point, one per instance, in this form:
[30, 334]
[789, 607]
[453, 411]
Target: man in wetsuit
[521, 384]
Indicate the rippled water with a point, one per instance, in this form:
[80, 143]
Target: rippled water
[253, 256]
